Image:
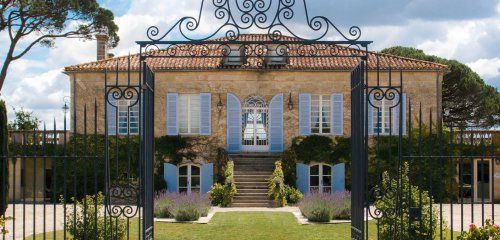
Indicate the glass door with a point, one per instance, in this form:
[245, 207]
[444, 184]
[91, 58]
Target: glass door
[189, 179]
[320, 178]
[482, 188]
[255, 121]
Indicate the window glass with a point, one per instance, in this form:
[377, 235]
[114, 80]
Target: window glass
[314, 170]
[128, 116]
[320, 114]
[382, 116]
[189, 114]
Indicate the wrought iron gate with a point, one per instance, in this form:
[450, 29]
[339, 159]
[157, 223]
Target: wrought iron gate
[417, 177]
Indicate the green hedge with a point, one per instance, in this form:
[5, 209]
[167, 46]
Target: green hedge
[4, 181]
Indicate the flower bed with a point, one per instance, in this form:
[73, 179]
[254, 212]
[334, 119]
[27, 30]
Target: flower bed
[181, 206]
[323, 207]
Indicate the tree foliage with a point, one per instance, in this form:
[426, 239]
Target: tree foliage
[29, 23]
[465, 95]
[24, 121]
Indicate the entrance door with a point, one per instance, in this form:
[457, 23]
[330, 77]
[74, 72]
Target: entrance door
[482, 186]
[255, 125]
[320, 178]
[189, 179]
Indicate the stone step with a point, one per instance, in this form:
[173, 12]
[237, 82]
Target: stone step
[254, 168]
[263, 201]
[250, 187]
[251, 204]
[256, 172]
[254, 163]
[245, 191]
[255, 155]
[249, 178]
[251, 197]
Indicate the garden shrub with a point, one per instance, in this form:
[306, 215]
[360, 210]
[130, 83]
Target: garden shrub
[293, 195]
[223, 194]
[424, 229]
[181, 206]
[190, 207]
[2, 226]
[323, 207]
[288, 163]
[162, 202]
[489, 231]
[81, 220]
[277, 189]
[313, 148]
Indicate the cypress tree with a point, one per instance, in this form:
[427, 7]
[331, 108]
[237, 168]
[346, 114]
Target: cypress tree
[4, 176]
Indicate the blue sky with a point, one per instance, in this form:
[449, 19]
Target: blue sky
[468, 31]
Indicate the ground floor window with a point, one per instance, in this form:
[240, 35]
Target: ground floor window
[320, 178]
[189, 179]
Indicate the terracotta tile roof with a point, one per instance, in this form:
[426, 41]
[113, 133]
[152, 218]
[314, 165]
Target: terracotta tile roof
[295, 63]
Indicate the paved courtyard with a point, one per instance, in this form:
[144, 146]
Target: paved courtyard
[32, 217]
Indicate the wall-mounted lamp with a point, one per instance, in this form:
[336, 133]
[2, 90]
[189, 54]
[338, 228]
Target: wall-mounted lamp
[290, 102]
[220, 105]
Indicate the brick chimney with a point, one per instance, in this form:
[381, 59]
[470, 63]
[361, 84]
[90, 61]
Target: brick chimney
[102, 46]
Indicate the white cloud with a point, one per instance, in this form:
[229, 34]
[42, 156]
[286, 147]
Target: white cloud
[488, 68]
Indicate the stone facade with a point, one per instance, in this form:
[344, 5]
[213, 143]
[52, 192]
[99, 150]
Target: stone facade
[421, 87]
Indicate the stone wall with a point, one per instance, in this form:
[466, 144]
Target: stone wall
[88, 89]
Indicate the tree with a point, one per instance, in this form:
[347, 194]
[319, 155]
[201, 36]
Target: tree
[469, 100]
[24, 121]
[40, 22]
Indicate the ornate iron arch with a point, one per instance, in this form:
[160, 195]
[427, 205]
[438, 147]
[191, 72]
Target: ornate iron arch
[276, 19]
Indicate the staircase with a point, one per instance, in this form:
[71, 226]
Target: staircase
[251, 173]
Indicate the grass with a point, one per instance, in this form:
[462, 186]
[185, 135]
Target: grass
[246, 226]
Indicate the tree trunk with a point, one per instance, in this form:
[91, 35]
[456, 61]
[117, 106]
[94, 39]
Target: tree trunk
[3, 73]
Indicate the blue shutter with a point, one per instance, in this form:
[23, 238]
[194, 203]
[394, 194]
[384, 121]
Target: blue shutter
[338, 178]
[111, 112]
[205, 114]
[305, 114]
[337, 112]
[302, 172]
[233, 124]
[170, 176]
[370, 114]
[207, 177]
[276, 124]
[172, 128]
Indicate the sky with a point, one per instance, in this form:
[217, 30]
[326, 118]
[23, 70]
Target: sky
[465, 30]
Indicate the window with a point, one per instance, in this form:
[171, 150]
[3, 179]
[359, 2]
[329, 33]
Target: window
[189, 179]
[320, 114]
[320, 178]
[381, 116]
[189, 114]
[128, 117]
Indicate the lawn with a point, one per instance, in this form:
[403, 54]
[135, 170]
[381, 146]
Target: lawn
[247, 226]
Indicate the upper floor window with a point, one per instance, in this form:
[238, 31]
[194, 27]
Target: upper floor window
[189, 114]
[128, 117]
[320, 114]
[382, 116]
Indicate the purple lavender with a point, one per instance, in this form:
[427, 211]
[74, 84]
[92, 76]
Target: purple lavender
[181, 206]
[321, 207]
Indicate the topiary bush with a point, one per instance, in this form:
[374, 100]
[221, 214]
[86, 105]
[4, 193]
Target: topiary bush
[2, 226]
[277, 189]
[81, 220]
[223, 194]
[424, 229]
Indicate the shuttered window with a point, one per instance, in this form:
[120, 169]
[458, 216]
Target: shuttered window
[128, 117]
[320, 114]
[189, 114]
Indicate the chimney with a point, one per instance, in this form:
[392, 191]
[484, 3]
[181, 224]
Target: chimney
[102, 46]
